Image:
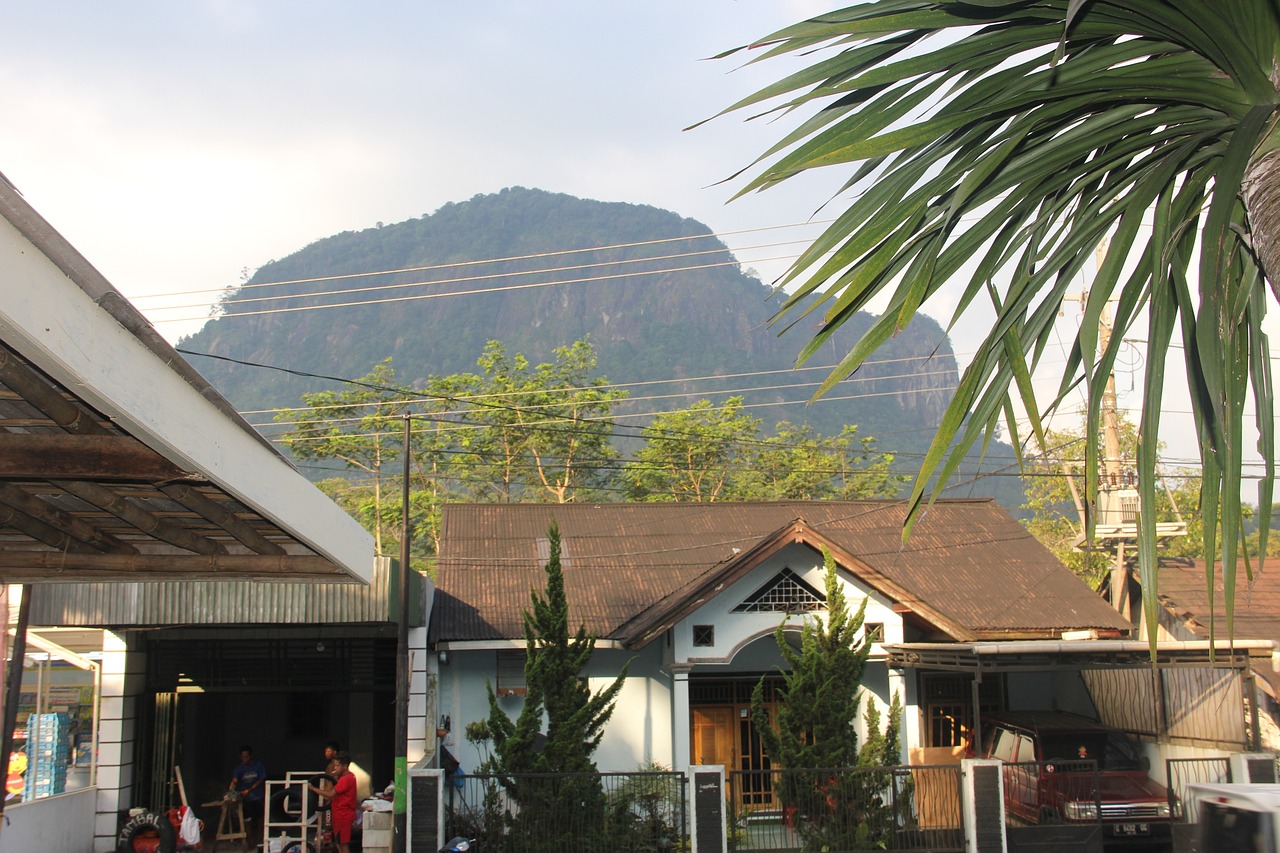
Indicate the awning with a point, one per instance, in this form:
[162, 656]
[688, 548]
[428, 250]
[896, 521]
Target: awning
[118, 461]
[1040, 655]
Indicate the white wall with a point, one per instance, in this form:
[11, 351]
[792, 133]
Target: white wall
[64, 823]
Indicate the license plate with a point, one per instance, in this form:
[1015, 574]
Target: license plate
[1133, 828]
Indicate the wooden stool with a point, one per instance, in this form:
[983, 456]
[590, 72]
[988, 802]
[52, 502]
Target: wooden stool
[230, 819]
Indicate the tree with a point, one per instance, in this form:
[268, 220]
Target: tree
[1000, 141]
[358, 427]
[575, 719]
[542, 429]
[796, 463]
[691, 455]
[813, 734]
[709, 453]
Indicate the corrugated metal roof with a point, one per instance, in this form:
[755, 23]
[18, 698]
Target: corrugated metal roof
[116, 605]
[967, 560]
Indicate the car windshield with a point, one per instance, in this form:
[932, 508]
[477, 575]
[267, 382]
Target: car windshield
[1109, 749]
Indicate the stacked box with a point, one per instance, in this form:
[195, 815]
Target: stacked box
[48, 755]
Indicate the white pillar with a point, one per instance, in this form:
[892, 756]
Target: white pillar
[114, 738]
[680, 717]
[910, 722]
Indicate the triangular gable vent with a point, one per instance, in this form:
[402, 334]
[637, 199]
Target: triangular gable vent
[784, 593]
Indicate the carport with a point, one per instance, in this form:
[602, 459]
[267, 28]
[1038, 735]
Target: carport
[1179, 704]
[119, 463]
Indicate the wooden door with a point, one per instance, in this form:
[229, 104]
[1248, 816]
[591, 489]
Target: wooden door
[713, 737]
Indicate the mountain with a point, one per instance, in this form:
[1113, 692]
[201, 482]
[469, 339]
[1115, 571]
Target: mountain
[661, 299]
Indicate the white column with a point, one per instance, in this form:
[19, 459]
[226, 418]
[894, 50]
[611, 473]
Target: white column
[910, 722]
[114, 739]
[422, 723]
[680, 717]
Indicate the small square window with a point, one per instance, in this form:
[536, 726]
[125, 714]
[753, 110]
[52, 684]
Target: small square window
[874, 631]
[704, 635]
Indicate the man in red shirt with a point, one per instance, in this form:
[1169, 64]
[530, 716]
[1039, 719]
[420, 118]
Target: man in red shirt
[342, 808]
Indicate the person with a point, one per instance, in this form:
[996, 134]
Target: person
[331, 750]
[342, 802]
[249, 779]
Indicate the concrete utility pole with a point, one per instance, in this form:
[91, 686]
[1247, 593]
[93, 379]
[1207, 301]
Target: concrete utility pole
[400, 841]
[1111, 471]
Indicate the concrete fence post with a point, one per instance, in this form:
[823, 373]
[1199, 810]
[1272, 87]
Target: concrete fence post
[707, 813]
[982, 805]
[1254, 768]
[424, 822]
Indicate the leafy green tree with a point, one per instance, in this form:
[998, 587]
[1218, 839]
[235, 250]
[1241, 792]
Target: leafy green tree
[542, 431]
[709, 453]
[575, 718]
[357, 426]
[813, 736]
[999, 142]
[693, 454]
[796, 463]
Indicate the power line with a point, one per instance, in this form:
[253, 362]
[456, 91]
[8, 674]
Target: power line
[508, 259]
[460, 279]
[502, 289]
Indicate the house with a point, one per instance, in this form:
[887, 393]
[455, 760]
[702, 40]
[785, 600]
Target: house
[691, 594]
[124, 478]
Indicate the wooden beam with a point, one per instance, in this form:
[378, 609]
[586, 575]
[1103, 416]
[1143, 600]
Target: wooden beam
[147, 522]
[50, 566]
[28, 504]
[57, 456]
[221, 516]
[44, 395]
[39, 530]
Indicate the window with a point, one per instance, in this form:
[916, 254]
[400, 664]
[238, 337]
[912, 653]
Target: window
[786, 592]
[874, 631]
[511, 673]
[704, 635]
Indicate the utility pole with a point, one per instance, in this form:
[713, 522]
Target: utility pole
[1111, 471]
[400, 840]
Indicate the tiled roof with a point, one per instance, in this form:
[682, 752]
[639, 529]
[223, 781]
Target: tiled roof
[1183, 594]
[969, 570]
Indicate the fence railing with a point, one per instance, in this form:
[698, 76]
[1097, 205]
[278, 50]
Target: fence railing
[845, 809]
[641, 812]
[1182, 773]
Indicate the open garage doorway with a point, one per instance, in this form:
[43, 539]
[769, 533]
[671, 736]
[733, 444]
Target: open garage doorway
[284, 693]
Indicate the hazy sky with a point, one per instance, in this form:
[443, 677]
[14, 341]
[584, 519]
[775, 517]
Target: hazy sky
[176, 144]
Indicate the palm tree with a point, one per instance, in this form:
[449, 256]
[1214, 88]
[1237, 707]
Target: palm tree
[997, 143]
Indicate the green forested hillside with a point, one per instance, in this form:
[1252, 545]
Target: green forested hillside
[659, 297]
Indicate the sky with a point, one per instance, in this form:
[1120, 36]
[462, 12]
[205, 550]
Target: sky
[180, 146]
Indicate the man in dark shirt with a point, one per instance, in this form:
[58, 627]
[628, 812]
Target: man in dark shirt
[249, 779]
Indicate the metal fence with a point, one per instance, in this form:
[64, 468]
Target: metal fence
[641, 812]
[1181, 773]
[846, 809]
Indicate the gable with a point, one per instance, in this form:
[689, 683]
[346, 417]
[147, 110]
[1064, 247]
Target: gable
[785, 592]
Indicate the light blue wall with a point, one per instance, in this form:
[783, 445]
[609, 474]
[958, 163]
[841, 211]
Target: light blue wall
[638, 732]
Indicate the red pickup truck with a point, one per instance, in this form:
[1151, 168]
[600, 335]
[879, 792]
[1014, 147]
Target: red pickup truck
[1064, 768]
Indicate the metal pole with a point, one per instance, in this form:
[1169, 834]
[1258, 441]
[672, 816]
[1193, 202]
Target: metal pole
[13, 687]
[399, 842]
